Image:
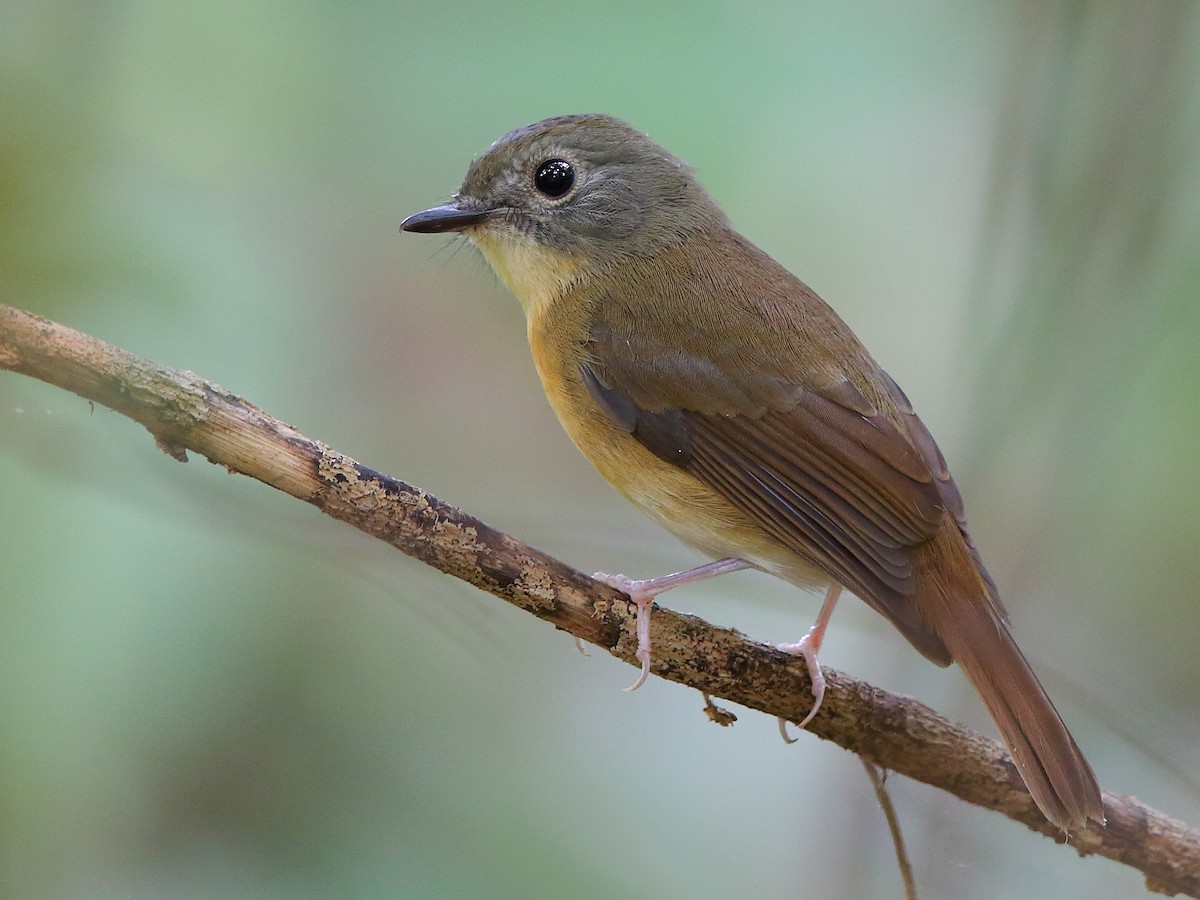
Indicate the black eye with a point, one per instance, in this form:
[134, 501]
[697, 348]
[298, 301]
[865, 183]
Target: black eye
[554, 178]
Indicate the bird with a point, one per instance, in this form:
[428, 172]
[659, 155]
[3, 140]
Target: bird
[727, 401]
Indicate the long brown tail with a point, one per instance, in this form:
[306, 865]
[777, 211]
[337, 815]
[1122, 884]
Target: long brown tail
[963, 612]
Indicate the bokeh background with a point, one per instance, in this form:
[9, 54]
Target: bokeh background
[209, 690]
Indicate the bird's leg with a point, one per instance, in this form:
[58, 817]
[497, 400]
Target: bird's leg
[642, 593]
[807, 647]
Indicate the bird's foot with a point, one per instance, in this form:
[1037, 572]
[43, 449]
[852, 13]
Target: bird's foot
[642, 593]
[807, 647]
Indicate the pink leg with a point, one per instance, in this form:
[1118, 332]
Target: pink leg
[642, 593]
[807, 647]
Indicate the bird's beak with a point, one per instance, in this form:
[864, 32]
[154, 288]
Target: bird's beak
[450, 217]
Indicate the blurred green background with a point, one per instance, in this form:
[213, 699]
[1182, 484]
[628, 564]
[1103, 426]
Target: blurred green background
[208, 689]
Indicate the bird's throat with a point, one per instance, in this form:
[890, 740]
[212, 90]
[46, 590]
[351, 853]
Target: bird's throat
[536, 274]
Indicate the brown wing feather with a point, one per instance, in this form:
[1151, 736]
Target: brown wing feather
[826, 476]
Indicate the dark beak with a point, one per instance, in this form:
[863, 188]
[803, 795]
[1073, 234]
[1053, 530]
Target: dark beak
[444, 218]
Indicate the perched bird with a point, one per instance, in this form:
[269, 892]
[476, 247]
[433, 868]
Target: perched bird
[730, 404]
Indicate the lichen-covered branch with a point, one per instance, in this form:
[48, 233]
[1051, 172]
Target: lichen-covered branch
[184, 412]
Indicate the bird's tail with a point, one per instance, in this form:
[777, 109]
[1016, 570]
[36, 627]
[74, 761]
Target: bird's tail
[969, 619]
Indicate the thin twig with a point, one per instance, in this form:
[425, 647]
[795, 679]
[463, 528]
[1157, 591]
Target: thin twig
[878, 779]
[184, 412]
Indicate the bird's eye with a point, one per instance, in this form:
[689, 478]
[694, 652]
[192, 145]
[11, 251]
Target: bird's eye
[554, 178]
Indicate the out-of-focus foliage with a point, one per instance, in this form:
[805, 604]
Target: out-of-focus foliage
[207, 689]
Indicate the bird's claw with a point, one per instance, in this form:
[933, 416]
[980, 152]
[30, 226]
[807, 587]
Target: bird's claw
[644, 601]
[804, 648]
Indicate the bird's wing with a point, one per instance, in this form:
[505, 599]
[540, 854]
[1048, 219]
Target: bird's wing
[820, 468]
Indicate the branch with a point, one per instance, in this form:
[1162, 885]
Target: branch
[185, 412]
